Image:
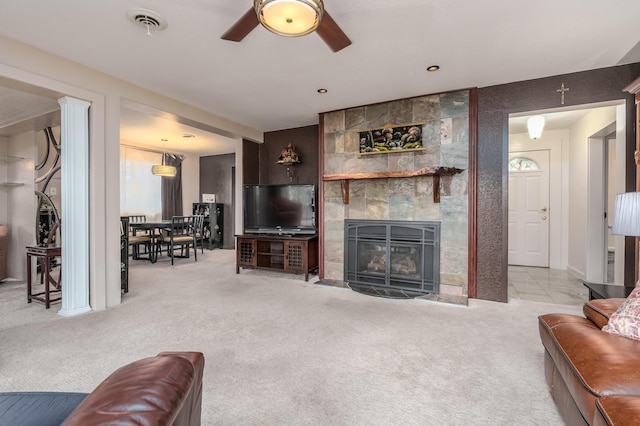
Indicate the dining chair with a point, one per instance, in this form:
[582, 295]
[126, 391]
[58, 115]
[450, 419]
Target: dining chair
[138, 238]
[182, 235]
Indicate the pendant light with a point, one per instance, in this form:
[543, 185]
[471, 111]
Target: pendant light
[535, 125]
[289, 18]
[163, 169]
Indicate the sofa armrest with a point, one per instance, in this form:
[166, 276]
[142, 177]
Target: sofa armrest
[621, 410]
[162, 390]
[598, 311]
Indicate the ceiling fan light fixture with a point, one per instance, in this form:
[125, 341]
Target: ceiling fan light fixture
[535, 125]
[289, 18]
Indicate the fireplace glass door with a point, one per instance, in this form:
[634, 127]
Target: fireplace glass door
[396, 254]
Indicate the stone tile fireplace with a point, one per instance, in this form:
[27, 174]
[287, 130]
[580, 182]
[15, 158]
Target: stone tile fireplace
[409, 198]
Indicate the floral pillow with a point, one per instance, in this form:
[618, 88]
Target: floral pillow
[626, 320]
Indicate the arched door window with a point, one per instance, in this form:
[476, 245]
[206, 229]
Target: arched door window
[523, 164]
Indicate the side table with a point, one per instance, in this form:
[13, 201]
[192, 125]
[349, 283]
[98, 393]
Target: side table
[607, 291]
[46, 253]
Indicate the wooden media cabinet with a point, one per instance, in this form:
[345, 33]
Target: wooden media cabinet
[294, 254]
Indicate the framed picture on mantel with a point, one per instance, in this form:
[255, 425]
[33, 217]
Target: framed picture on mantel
[392, 138]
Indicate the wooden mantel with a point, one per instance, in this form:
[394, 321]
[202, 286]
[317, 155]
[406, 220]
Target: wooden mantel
[436, 172]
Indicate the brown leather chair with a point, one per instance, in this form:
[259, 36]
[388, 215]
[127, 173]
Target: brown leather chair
[161, 390]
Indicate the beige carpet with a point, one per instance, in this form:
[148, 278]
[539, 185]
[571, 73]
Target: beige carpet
[280, 351]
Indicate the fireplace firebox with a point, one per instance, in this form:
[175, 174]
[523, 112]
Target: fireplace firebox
[402, 255]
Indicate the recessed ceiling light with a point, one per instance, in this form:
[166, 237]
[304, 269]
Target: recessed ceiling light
[433, 68]
[188, 136]
[322, 90]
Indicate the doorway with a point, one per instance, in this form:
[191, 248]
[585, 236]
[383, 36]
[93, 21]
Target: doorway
[570, 138]
[613, 249]
[603, 249]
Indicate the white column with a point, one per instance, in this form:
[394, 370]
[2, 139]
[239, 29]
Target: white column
[74, 132]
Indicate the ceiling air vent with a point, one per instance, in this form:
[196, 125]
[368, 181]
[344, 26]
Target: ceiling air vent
[147, 19]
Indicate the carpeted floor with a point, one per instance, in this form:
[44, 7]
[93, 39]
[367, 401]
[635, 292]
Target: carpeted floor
[280, 351]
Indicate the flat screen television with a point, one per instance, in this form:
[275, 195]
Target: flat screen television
[280, 209]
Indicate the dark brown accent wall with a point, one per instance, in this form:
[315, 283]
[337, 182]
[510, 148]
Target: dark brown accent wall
[495, 103]
[250, 162]
[305, 139]
[216, 178]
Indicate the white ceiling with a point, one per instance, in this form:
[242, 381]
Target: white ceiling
[270, 82]
[154, 132]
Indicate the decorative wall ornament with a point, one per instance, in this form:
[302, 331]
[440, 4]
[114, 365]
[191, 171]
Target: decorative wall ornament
[392, 138]
[561, 90]
[289, 157]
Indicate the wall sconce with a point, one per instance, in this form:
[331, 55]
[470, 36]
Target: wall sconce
[535, 125]
[289, 157]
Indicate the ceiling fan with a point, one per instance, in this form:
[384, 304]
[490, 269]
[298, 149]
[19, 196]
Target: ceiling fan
[290, 18]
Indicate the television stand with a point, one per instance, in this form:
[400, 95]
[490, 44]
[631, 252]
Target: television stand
[296, 254]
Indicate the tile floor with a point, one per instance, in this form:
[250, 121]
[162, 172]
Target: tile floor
[546, 285]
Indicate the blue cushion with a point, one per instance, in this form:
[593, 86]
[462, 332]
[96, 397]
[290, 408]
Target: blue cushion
[37, 408]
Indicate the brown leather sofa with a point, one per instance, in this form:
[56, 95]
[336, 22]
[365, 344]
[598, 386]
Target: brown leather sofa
[593, 376]
[161, 390]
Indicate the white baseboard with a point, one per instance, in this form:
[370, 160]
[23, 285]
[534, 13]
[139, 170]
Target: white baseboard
[576, 273]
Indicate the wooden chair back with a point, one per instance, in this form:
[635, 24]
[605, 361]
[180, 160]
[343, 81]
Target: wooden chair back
[183, 226]
[137, 218]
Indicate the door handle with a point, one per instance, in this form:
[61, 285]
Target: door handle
[544, 209]
[544, 218]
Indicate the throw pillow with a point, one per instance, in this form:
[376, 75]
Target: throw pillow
[626, 320]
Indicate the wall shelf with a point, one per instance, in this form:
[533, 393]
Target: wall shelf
[436, 172]
[7, 159]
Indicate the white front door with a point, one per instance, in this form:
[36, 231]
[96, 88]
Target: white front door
[529, 208]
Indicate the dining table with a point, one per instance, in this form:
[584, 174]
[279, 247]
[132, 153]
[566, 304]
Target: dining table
[154, 229]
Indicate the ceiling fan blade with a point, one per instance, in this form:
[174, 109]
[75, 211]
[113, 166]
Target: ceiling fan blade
[242, 27]
[331, 33]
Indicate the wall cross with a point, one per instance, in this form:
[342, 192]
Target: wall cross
[561, 90]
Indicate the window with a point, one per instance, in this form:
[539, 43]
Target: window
[523, 164]
[140, 191]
